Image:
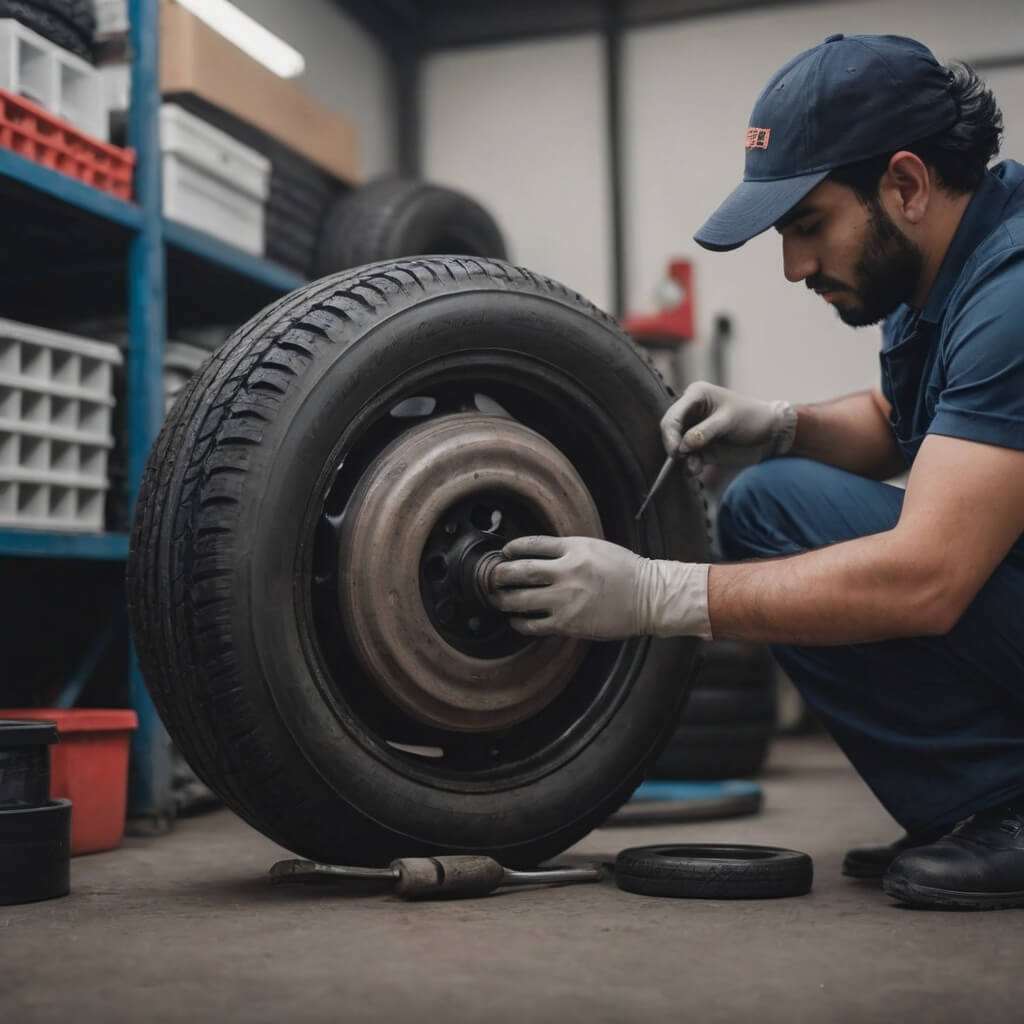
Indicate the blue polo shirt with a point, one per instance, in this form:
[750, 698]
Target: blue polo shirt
[957, 367]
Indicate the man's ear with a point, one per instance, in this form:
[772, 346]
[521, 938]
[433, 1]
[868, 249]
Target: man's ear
[907, 184]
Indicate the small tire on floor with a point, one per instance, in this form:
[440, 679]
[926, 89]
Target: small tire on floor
[714, 871]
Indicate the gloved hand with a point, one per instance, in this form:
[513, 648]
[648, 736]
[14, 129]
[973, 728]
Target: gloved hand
[597, 590]
[713, 425]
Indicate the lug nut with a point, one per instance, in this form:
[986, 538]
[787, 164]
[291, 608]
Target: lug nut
[482, 577]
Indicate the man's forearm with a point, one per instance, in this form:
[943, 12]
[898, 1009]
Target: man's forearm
[851, 433]
[871, 588]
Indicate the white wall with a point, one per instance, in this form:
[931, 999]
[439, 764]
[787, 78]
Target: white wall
[346, 69]
[690, 89]
[521, 127]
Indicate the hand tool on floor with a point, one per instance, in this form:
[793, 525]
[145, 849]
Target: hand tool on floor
[435, 878]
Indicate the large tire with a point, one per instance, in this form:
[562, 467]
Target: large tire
[233, 569]
[69, 24]
[717, 705]
[396, 217]
[727, 751]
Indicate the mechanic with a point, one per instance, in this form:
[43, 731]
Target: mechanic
[897, 613]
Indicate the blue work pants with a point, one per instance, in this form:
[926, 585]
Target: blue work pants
[935, 724]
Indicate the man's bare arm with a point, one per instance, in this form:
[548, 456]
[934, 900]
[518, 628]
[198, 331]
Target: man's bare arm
[963, 511]
[851, 433]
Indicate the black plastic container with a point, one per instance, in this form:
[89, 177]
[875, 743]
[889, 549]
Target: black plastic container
[25, 763]
[35, 852]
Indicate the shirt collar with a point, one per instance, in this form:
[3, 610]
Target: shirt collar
[982, 216]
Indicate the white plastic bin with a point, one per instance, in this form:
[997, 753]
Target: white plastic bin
[53, 78]
[56, 400]
[211, 181]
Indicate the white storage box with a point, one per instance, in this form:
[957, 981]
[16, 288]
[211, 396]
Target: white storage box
[211, 181]
[117, 87]
[53, 78]
[56, 399]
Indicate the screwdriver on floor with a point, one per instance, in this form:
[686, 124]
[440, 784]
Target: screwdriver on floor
[435, 878]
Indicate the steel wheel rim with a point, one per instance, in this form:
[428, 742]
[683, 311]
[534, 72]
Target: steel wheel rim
[503, 384]
[409, 553]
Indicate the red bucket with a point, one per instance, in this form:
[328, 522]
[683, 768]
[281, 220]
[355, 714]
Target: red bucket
[90, 767]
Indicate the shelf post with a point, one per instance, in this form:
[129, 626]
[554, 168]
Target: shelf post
[150, 795]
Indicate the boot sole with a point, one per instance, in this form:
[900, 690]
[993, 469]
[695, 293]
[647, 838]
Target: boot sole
[928, 896]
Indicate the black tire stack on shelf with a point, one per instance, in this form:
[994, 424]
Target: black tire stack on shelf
[69, 24]
[316, 225]
[300, 192]
[35, 831]
[727, 725]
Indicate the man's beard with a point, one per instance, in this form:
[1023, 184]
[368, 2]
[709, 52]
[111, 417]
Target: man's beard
[887, 273]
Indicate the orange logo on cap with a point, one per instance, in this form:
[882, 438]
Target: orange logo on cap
[757, 138]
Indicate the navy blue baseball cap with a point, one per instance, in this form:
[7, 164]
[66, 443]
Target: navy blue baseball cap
[848, 99]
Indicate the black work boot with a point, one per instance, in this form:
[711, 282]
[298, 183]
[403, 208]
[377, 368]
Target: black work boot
[872, 861]
[978, 866]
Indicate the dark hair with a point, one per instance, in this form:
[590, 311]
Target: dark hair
[958, 155]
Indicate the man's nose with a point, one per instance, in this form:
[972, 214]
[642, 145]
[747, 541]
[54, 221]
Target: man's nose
[798, 262]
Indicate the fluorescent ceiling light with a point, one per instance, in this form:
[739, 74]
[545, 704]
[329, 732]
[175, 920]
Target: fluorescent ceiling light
[249, 35]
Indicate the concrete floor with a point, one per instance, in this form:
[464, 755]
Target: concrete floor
[186, 928]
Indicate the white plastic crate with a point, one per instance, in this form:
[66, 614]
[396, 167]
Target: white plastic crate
[111, 17]
[56, 400]
[211, 181]
[53, 78]
[117, 87]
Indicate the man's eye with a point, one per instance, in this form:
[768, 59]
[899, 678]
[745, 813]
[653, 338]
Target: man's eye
[806, 229]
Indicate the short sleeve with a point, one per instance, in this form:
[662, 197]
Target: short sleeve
[982, 354]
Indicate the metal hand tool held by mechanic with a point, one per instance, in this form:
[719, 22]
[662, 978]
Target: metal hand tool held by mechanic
[435, 878]
[694, 416]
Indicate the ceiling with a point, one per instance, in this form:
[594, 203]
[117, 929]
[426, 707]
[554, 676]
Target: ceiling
[424, 25]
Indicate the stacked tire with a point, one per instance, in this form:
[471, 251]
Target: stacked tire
[69, 24]
[727, 725]
[35, 831]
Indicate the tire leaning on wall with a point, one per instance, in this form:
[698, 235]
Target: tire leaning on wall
[395, 217]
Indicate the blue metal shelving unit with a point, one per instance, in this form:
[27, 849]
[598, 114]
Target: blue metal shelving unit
[149, 237]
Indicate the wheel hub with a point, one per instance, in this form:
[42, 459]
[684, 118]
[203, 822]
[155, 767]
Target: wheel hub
[424, 528]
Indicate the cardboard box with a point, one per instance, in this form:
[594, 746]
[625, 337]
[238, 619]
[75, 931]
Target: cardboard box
[195, 59]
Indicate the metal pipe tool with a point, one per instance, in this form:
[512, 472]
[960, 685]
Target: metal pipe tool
[435, 878]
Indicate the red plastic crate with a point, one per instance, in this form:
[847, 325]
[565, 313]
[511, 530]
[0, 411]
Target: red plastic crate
[39, 136]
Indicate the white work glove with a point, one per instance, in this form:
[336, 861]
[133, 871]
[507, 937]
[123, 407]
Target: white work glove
[598, 591]
[715, 426]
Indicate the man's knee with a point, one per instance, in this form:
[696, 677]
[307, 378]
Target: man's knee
[747, 513]
[784, 506]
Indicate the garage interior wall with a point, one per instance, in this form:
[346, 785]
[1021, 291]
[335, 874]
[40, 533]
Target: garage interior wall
[522, 127]
[346, 69]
